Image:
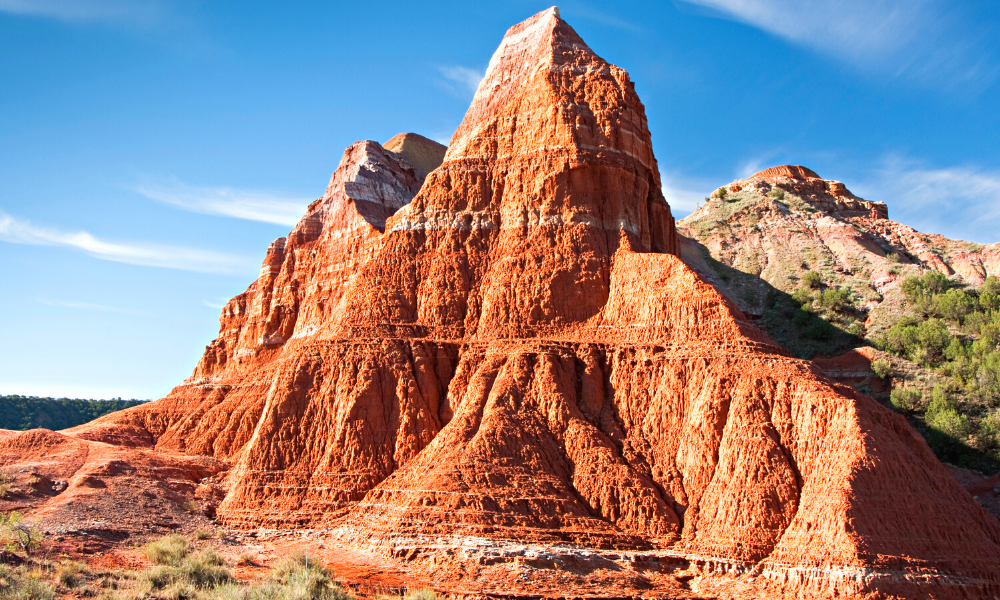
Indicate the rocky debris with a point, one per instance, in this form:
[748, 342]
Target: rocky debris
[510, 353]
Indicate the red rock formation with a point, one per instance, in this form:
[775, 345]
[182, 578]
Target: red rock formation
[521, 357]
[788, 171]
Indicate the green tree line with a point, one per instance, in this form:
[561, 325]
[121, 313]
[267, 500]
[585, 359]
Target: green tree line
[30, 412]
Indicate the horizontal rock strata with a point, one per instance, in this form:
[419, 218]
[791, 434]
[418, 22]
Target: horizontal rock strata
[511, 350]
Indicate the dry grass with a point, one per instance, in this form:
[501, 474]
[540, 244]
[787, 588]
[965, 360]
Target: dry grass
[71, 574]
[16, 584]
[180, 574]
[169, 550]
[423, 594]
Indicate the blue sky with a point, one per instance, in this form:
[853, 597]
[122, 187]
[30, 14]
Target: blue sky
[151, 149]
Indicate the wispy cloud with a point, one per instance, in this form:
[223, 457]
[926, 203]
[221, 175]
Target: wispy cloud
[462, 79]
[928, 40]
[574, 10]
[756, 164]
[216, 305]
[684, 193]
[86, 10]
[959, 202]
[17, 231]
[228, 202]
[86, 306]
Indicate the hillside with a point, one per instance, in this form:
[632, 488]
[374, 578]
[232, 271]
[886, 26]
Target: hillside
[824, 271]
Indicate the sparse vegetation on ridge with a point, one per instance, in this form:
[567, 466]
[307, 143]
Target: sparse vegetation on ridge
[953, 331]
[816, 302]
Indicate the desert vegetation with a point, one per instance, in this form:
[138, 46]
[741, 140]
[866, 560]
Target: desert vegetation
[178, 571]
[29, 412]
[952, 330]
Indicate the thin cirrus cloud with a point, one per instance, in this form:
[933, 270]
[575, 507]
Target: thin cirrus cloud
[684, 193]
[462, 79]
[229, 202]
[959, 202]
[90, 307]
[85, 10]
[18, 231]
[927, 40]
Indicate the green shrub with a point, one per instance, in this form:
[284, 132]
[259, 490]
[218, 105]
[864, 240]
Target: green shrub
[955, 304]
[15, 585]
[835, 299]
[989, 427]
[942, 415]
[905, 399]
[720, 193]
[892, 257]
[812, 279]
[913, 289]
[950, 422]
[803, 296]
[169, 550]
[777, 193]
[70, 574]
[820, 329]
[990, 286]
[989, 300]
[881, 367]
[934, 283]
[202, 533]
[18, 535]
[922, 342]
[801, 318]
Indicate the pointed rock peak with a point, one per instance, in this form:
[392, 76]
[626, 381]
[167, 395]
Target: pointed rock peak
[539, 43]
[790, 171]
[370, 181]
[424, 154]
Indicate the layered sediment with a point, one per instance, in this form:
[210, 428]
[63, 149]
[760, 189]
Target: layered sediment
[511, 350]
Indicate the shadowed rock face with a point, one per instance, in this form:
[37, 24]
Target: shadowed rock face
[517, 354]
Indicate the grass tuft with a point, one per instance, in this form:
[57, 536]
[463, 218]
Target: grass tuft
[15, 585]
[169, 550]
[71, 574]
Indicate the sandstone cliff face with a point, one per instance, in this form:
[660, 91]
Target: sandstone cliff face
[519, 355]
